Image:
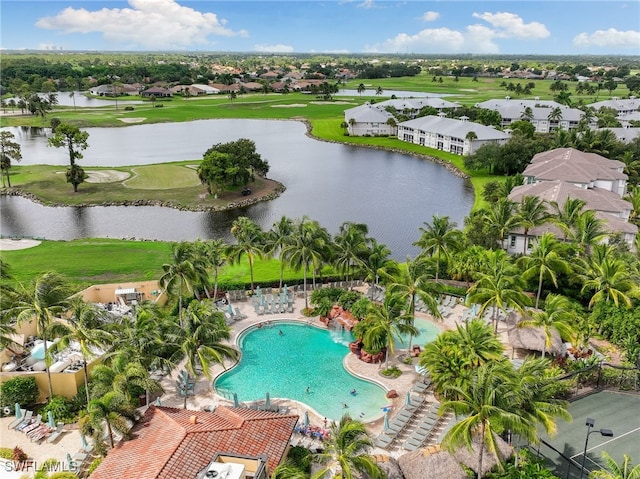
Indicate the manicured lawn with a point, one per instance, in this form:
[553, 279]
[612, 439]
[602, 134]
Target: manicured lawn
[163, 177]
[94, 261]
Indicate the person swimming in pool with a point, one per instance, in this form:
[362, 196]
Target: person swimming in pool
[354, 392]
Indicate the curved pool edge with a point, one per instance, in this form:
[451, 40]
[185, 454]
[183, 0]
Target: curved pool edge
[306, 322]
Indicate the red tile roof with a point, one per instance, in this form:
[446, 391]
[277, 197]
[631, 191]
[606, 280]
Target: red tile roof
[167, 444]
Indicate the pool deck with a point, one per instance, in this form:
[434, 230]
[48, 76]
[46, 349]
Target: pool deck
[205, 397]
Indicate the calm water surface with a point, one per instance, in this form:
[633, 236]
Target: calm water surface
[331, 183]
[285, 365]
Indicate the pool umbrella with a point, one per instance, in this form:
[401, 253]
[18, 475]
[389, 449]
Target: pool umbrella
[52, 421]
[38, 350]
[70, 463]
[230, 309]
[259, 292]
[407, 398]
[18, 410]
[158, 401]
[386, 421]
[235, 400]
[267, 402]
[306, 419]
[83, 441]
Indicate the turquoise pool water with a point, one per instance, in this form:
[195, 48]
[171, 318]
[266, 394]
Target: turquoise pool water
[428, 332]
[284, 365]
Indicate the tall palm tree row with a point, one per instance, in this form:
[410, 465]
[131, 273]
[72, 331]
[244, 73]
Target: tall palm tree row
[249, 241]
[43, 301]
[185, 270]
[439, 239]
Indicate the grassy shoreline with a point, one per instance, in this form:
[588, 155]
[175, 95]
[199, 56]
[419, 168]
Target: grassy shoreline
[88, 261]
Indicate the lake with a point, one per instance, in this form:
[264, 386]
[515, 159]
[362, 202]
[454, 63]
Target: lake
[392, 193]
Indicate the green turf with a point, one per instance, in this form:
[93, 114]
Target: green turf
[162, 177]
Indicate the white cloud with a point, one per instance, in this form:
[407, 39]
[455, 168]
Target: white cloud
[366, 4]
[150, 24]
[48, 46]
[510, 25]
[429, 16]
[475, 39]
[608, 38]
[279, 48]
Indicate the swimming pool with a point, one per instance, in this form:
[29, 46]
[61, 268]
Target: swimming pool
[427, 333]
[303, 356]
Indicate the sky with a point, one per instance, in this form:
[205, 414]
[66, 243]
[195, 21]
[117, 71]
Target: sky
[532, 27]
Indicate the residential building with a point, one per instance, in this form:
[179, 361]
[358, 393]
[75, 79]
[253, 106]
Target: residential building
[460, 137]
[622, 105]
[367, 120]
[563, 173]
[411, 106]
[545, 115]
[173, 443]
[625, 135]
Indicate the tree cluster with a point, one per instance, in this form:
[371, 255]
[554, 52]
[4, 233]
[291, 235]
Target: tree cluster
[235, 163]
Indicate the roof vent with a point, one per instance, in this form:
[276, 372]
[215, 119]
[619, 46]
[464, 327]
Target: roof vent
[193, 419]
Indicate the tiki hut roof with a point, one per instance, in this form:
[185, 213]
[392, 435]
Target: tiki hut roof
[430, 463]
[389, 465]
[470, 457]
[531, 338]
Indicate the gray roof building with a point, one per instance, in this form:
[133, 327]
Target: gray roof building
[449, 134]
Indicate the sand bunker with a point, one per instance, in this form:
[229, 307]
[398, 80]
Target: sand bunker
[132, 120]
[12, 244]
[106, 176]
[331, 103]
[293, 105]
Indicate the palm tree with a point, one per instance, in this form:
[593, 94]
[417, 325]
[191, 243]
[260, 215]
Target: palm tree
[499, 288]
[527, 114]
[142, 338]
[557, 315]
[555, 116]
[544, 262]
[566, 216]
[45, 300]
[345, 453]
[9, 151]
[111, 410]
[361, 88]
[83, 327]
[536, 398]
[200, 339]
[250, 242]
[625, 470]
[609, 278]
[214, 255]
[589, 231]
[454, 354]
[308, 246]
[500, 217]
[126, 377]
[439, 239]
[182, 273]
[351, 247]
[414, 281]
[486, 408]
[531, 212]
[279, 235]
[377, 262]
[385, 324]
[633, 197]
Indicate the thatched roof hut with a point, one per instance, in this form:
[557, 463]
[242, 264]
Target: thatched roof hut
[430, 463]
[531, 338]
[469, 457]
[389, 465]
